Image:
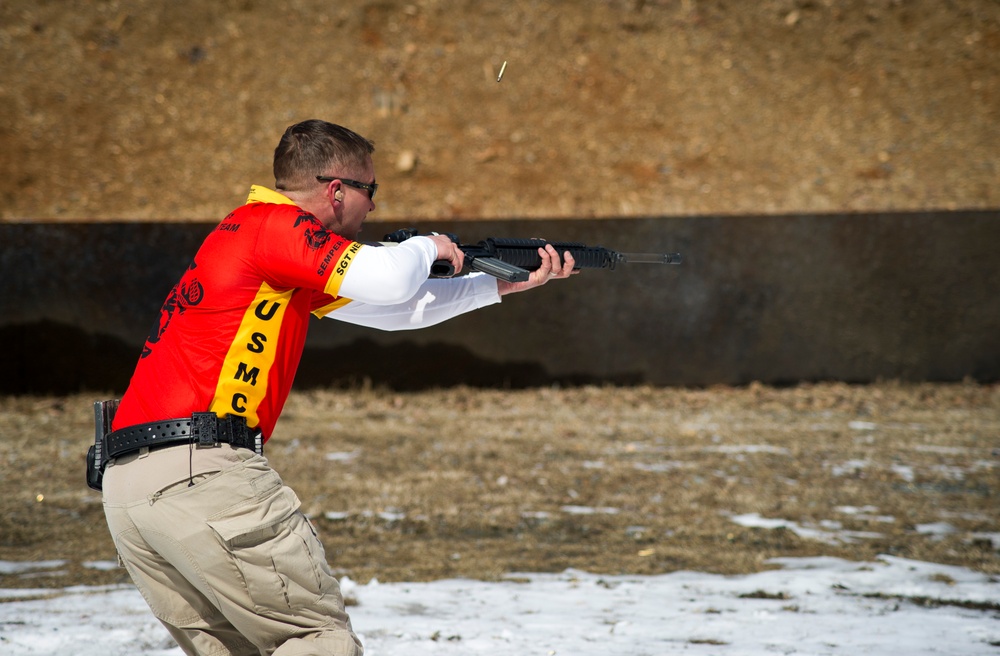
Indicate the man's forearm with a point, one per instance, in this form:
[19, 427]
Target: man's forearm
[435, 301]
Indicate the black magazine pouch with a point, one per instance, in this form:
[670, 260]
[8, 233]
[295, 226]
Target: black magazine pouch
[104, 414]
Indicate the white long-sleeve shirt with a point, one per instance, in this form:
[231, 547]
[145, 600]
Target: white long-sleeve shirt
[389, 289]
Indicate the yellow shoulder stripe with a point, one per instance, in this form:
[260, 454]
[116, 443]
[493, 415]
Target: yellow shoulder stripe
[336, 304]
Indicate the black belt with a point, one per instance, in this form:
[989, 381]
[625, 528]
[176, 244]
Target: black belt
[204, 429]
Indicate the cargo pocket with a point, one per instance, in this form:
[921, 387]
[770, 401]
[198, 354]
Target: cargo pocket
[277, 553]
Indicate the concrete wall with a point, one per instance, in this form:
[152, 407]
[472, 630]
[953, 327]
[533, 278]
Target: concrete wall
[776, 299]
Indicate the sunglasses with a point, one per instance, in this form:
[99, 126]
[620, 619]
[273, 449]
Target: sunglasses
[370, 188]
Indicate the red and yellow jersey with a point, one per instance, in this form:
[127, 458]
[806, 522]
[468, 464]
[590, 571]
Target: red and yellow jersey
[231, 332]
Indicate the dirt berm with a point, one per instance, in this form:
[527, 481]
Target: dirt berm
[169, 110]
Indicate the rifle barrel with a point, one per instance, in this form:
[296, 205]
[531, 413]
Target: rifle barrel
[652, 258]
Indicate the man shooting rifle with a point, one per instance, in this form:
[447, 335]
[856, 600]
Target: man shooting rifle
[209, 533]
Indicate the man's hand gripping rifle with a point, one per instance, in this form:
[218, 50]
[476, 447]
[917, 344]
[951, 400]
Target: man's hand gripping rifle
[513, 259]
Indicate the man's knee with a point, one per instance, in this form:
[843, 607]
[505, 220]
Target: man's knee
[329, 643]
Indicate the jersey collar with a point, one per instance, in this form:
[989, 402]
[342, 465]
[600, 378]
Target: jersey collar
[259, 194]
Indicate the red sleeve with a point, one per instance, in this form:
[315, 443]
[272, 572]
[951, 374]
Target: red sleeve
[295, 250]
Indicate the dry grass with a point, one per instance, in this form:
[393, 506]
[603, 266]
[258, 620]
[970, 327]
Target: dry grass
[481, 483]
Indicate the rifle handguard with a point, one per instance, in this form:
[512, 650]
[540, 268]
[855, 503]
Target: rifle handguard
[524, 253]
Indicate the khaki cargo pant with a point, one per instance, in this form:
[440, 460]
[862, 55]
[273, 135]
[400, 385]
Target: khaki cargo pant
[229, 565]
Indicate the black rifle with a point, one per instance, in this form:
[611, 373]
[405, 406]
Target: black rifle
[513, 259]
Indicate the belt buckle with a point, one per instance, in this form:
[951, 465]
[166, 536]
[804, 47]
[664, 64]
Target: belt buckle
[204, 427]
